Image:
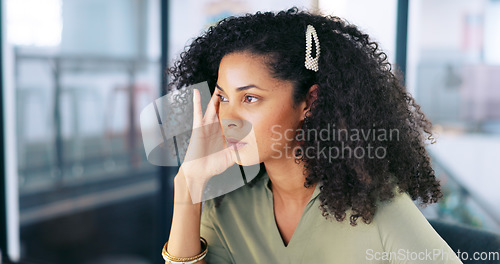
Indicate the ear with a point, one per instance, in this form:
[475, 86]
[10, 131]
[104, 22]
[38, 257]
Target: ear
[311, 96]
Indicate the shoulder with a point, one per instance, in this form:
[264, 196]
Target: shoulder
[399, 214]
[402, 226]
[401, 206]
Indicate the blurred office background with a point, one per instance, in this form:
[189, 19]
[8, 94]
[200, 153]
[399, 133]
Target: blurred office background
[77, 73]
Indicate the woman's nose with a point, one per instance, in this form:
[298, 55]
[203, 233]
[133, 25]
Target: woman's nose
[234, 125]
[229, 117]
[231, 123]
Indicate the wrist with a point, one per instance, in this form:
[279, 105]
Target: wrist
[188, 187]
[182, 193]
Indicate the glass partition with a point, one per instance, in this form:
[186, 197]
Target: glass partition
[82, 72]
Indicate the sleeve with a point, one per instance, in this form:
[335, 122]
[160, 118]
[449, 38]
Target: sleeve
[217, 249]
[407, 236]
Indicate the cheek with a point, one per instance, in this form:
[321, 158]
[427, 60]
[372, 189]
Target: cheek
[277, 128]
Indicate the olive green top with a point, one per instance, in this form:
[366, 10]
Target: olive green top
[243, 230]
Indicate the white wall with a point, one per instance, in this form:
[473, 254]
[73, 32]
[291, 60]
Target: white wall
[443, 24]
[492, 33]
[376, 18]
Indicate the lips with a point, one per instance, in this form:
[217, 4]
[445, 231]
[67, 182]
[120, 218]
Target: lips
[234, 143]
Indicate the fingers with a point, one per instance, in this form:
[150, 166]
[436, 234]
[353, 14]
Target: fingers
[197, 112]
[211, 114]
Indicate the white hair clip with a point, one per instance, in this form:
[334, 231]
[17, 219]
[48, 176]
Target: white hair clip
[311, 63]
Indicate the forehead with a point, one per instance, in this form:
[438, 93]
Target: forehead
[244, 62]
[240, 69]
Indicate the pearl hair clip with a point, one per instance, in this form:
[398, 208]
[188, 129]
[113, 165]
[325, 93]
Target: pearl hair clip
[312, 63]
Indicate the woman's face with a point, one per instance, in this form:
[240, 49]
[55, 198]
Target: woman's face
[257, 109]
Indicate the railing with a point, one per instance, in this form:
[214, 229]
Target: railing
[59, 172]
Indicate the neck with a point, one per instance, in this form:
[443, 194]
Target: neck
[287, 183]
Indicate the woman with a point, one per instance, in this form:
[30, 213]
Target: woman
[341, 196]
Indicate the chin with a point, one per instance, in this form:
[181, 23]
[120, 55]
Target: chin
[245, 162]
[247, 159]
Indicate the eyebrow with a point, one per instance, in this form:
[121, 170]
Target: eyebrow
[239, 89]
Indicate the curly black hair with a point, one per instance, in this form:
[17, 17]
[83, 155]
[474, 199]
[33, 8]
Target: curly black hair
[356, 90]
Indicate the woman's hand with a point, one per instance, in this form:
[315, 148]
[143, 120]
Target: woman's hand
[207, 154]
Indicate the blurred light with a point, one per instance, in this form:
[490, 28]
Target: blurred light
[34, 22]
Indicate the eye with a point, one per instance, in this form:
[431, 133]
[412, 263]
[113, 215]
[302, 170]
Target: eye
[221, 98]
[253, 97]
